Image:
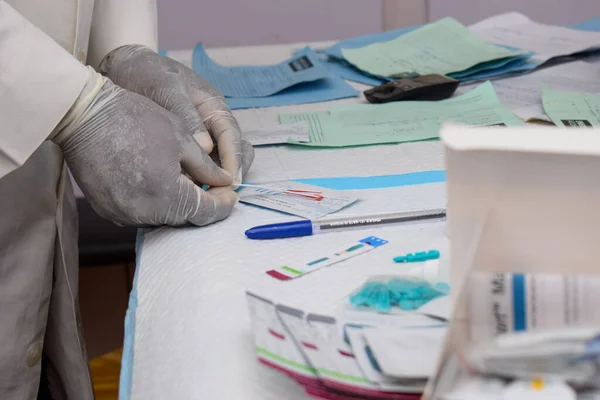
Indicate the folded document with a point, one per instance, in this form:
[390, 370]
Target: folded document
[444, 47]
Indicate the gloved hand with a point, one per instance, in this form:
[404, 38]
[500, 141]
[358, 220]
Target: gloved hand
[129, 156]
[181, 91]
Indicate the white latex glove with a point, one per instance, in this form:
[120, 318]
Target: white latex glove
[129, 156]
[181, 91]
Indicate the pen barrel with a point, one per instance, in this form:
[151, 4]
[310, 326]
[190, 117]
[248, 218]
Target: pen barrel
[384, 219]
[282, 230]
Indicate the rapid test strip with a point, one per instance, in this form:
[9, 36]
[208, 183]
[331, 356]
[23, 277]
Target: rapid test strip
[288, 272]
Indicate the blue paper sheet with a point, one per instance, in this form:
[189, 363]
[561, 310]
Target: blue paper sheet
[590, 25]
[259, 81]
[346, 71]
[514, 67]
[328, 89]
[335, 51]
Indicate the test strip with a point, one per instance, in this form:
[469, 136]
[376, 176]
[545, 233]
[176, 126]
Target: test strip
[288, 272]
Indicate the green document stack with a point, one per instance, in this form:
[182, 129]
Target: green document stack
[407, 121]
[445, 47]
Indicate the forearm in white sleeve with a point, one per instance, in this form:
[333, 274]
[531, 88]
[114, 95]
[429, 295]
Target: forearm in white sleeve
[39, 82]
[118, 23]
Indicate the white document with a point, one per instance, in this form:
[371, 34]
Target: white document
[417, 348]
[360, 348]
[273, 342]
[278, 134]
[274, 199]
[546, 41]
[523, 94]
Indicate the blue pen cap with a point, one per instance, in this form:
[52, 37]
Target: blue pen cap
[278, 231]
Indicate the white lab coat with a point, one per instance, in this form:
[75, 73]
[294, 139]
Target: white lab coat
[42, 47]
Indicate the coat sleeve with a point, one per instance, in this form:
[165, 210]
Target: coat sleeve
[39, 82]
[118, 23]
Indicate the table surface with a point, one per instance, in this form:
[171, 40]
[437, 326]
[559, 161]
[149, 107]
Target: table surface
[187, 329]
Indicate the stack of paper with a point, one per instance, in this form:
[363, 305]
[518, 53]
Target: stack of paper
[364, 124]
[547, 42]
[490, 29]
[298, 80]
[523, 94]
[339, 66]
[338, 358]
[445, 47]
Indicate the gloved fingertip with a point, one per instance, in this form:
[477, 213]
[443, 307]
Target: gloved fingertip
[205, 141]
[227, 179]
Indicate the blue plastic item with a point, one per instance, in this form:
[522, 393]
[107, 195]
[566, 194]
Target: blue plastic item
[418, 257]
[407, 294]
[283, 230]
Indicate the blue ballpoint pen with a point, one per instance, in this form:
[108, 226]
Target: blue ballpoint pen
[307, 227]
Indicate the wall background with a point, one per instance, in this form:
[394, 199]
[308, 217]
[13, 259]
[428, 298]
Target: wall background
[562, 12]
[183, 23]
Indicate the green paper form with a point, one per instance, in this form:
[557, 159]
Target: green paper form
[442, 47]
[405, 121]
[567, 109]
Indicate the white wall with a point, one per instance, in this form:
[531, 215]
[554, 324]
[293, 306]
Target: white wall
[183, 23]
[561, 12]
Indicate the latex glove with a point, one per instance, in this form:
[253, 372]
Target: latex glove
[181, 91]
[129, 156]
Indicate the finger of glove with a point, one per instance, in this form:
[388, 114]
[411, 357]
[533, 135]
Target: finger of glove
[211, 206]
[223, 127]
[247, 156]
[205, 141]
[199, 166]
[179, 104]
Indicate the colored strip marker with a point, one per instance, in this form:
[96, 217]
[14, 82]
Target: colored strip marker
[278, 275]
[309, 346]
[292, 270]
[276, 334]
[286, 273]
[318, 261]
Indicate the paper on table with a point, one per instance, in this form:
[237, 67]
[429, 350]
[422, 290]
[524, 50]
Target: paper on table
[347, 71]
[546, 41]
[259, 81]
[363, 124]
[335, 50]
[419, 348]
[514, 67]
[441, 47]
[577, 110]
[278, 134]
[331, 88]
[311, 209]
[523, 94]
[360, 347]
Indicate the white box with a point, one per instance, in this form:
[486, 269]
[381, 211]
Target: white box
[519, 200]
